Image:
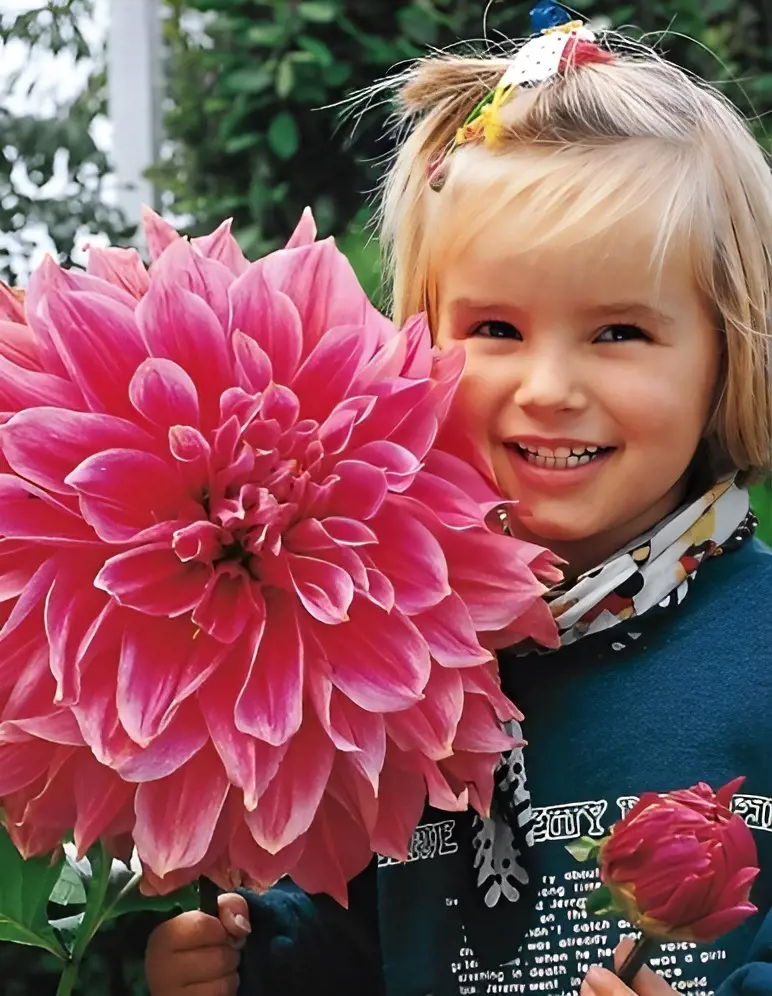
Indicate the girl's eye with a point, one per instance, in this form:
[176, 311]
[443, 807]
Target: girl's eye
[497, 330]
[621, 333]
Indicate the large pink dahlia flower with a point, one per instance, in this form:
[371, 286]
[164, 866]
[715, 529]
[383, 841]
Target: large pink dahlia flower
[240, 582]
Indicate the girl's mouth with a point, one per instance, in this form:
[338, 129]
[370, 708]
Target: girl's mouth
[562, 457]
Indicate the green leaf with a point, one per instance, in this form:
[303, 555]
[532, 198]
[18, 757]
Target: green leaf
[285, 77]
[25, 888]
[241, 142]
[321, 53]
[600, 902]
[70, 890]
[265, 34]
[283, 135]
[248, 79]
[123, 896]
[584, 849]
[317, 11]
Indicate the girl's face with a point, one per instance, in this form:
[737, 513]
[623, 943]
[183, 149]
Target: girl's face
[589, 381]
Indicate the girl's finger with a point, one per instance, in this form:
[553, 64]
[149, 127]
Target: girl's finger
[234, 916]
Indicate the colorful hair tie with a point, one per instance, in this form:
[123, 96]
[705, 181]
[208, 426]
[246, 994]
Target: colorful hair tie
[560, 43]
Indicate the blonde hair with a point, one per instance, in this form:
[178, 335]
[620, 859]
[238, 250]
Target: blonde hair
[592, 145]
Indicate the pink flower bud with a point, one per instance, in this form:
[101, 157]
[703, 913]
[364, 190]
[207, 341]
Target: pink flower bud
[680, 866]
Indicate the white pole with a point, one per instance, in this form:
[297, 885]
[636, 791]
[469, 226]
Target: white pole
[134, 95]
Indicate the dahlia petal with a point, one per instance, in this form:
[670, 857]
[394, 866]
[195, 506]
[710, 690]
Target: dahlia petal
[385, 365]
[725, 793]
[17, 340]
[261, 870]
[710, 928]
[328, 371]
[410, 556]
[476, 771]
[182, 265]
[46, 444]
[348, 532]
[21, 387]
[72, 607]
[289, 803]
[380, 590]
[193, 798]
[358, 492]
[100, 346]
[305, 231]
[253, 365]
[404, 413]
[449, 631]
[479, 729]
[220, 245]
[270, 705]
[337, 850]
[447, 368]
[494, 587]
[229, 603]
[402, 798]
[353, 731]
[123, 492]
[146, 695]
[122, 267]
[56, 727]
[178, 325]
[100, 796]
[398, 464]
[22, 764]
[153, 580]
[418, 359]
[484, 681]
[379, 661]
[28, 513]
[159, 234]
[447, 501]
[325, 591]
[164, 394]
[337, 429]
[12, 302]
[430, 725]
[323, 287]
[260, 312]
[249, 762]
[18, 563]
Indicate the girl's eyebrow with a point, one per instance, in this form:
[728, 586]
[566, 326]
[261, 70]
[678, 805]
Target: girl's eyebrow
[630, 309]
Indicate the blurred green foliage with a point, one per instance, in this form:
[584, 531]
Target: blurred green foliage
[50, 137]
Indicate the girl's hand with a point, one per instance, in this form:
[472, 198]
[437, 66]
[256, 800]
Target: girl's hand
[600, 982]
[198, 954]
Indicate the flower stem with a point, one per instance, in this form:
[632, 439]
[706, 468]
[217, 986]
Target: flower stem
[207, 896]
[644, 948]
[101, 863]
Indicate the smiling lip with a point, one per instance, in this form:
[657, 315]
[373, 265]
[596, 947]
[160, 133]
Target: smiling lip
[554, 478]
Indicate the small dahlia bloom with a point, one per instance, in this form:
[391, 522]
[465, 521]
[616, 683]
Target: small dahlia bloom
[241, 583]
[681, 865]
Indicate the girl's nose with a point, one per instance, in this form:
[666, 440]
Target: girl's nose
[549, 381]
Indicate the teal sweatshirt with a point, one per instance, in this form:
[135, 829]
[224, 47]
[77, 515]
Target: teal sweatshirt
[671, 699]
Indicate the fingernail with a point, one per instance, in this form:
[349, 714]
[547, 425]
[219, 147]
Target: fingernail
[242, 923]
[237, 942]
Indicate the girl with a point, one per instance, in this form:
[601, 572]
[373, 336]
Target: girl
[593, 227]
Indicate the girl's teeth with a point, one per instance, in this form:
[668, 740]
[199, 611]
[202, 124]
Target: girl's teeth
[562, 458]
